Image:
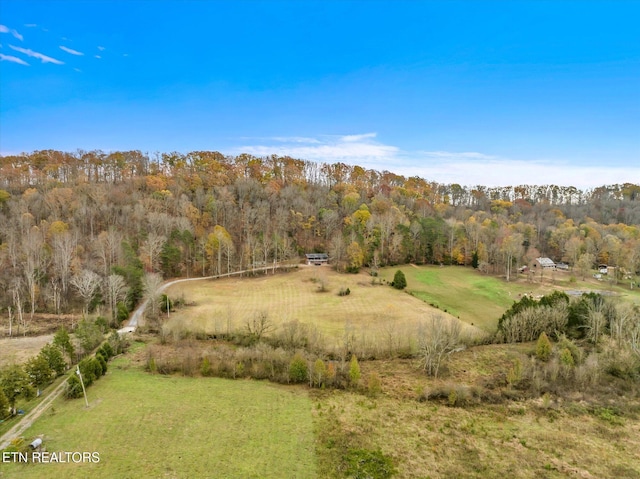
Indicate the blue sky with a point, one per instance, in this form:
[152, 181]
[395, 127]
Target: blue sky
[471, 92]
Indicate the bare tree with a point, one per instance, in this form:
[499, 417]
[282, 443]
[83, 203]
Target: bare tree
[596, 321]
[115, 290]
[259, 325]
[107, 248]
[64, 245]
[438, 337]
[152, 248]
[86, 283]
[17, 302]
[152, 283]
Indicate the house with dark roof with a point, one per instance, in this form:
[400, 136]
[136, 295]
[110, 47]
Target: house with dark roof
[317, 258]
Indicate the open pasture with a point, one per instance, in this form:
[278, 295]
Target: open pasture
[481, 299]
[219, 306]
[464, 292]
[145, 425]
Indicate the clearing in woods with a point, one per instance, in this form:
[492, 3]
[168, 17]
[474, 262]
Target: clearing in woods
[219, 306]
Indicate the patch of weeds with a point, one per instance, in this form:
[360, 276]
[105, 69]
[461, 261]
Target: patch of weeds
[609, 415]
[576, 409]
[368, 464]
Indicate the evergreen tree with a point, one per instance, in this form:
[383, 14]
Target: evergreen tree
[475, 260]
[399, 280]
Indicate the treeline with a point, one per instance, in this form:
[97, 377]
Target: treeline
[90, 231]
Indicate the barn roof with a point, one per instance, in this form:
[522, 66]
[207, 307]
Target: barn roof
[545, 262]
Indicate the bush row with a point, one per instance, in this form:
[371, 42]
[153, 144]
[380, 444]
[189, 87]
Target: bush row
[260, 361]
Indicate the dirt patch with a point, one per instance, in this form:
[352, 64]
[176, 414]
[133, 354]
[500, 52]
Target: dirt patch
[18, 349]
[41, 324]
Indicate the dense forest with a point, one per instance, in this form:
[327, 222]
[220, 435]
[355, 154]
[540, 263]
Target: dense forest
[84, 230]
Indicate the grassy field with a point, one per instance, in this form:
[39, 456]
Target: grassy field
[18, 349]
[465, 293]
[528, 439]
[146, 425]
[480, 299]
[227, 304]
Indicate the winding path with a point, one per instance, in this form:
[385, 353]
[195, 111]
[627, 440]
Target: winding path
[132, 325]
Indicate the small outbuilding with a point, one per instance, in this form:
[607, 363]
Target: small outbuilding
[544, 263]
[317, 258]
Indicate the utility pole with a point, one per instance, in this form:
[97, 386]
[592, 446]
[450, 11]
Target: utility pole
[82, 383]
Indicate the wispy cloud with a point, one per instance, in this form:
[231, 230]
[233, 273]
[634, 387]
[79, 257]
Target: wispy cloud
[5, 29]
[101, 48]
[39, 56]
[356, 138]
[330, 148]
[11, 58]
[97, 56]
[72, 52]
[295, 139]
[467, 168]
[474, 168]
[30, 25]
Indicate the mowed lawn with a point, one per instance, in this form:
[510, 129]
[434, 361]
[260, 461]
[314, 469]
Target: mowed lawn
[464, 292]
[227, 304]
[145, 425]
[480, 299]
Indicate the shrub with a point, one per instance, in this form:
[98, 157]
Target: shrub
[298, 370]
[543, 347]
[399, 280]
[576, 352]
[103, 364]
[101, 322]
[122, 312]
[89, 335]
[106, 350]
[319, 372]
[54, 358]
[566, 358]
[344, 292]
[38, 370]
[205, 366]
[74, 387]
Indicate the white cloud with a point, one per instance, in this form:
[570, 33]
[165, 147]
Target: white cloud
[5, 29]
[472, 168]
[364, 136]
[295, 139]
[11, 58]
[101, 48]
[30, 25]
[97, 56]
[348, 149]
[469, 168]
[39, 56]
[72, 52]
